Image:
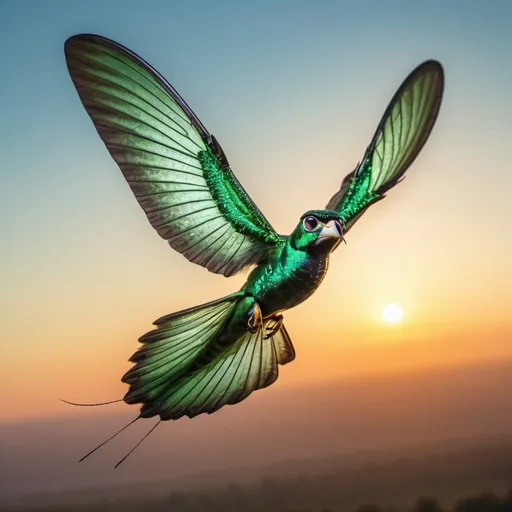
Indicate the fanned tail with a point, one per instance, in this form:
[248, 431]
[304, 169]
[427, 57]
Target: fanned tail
[249, 363]
[182, 369]
[169, 351]
[195, 362]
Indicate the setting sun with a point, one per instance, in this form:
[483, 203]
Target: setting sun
[392, 313]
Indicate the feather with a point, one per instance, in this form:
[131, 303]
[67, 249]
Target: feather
[400, 136]
[177, 171]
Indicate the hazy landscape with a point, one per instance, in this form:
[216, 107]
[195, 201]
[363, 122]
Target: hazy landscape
[387, 440]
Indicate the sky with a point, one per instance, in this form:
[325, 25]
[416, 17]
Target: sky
[293, 91]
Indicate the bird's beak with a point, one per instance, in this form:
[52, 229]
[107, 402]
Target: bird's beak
[333, 229]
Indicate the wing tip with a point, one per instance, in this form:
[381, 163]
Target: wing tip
[432, 67]
[431, 63]
[427, 66]
[85, 37]
[71, 42]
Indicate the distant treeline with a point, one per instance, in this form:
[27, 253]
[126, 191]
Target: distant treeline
[394, 485]
[390, 485]
[479, 502]
[483, 502]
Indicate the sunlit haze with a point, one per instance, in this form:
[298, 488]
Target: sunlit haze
[392, 313]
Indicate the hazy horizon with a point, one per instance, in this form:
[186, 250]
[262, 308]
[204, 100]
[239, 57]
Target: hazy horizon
[347, 416]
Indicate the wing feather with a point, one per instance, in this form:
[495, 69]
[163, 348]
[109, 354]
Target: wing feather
[177, 171]
[400, 136]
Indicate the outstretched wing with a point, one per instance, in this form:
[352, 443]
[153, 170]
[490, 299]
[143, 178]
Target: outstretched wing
[402, 132]
[176, 169]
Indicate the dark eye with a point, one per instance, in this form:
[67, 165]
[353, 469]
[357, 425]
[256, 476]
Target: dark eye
[310, 223]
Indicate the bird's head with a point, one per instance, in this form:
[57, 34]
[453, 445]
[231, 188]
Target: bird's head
[318, 230]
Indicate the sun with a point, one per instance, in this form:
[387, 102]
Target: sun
[392, 313]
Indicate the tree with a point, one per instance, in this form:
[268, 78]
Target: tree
[427, 504]
[485, 502]
[370, 507]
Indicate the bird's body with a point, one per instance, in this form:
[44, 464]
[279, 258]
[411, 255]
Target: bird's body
[202, 358]
[287, 279]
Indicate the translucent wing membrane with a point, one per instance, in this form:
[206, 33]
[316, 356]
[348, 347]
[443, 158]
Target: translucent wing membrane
[168, 351]
[170, 380]
[175, 168]
[400, 136]
[249, 364]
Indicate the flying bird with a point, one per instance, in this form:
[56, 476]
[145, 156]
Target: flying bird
[200, 359]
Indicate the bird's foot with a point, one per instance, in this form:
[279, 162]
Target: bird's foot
[273, 326]
[255, 321]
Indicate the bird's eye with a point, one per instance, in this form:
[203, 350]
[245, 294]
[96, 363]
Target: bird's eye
[310, 223]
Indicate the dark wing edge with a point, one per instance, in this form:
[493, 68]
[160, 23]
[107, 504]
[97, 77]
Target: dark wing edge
[133, 108]
[400, 135]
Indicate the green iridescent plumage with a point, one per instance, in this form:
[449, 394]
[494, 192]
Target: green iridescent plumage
[234, 204]
[168, 158]
[198, 360]
[400, 135]
[358, 195]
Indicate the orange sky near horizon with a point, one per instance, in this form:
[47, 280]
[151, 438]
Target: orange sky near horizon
[324, 353]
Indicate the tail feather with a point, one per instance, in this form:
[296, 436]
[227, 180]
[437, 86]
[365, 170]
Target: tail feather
[170, 349]
[90, 404]
[109, 439]
[171, 379]
[284, 346]
[250, 363]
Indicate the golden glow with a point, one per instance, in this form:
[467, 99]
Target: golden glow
[392, 313]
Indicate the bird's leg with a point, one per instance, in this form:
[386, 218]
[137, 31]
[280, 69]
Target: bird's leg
[255, 321]
[274, 325]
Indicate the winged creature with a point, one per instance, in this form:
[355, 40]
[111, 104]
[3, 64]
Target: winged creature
[203, 358]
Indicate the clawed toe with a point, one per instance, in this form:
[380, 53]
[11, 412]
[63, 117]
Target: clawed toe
[255, 319]
[255, 322]
[273, 326]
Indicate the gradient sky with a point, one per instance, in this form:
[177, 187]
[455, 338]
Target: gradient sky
[293, 91]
